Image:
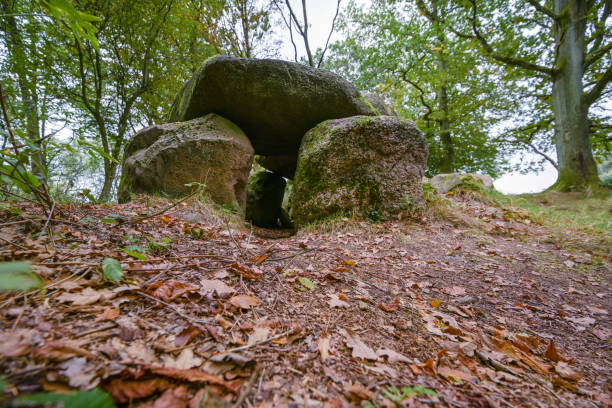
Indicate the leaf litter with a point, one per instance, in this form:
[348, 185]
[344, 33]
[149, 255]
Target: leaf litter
[448, 315]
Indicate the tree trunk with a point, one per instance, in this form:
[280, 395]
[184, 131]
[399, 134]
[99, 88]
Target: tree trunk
[447, 165]
[577, 168]
[110, 172]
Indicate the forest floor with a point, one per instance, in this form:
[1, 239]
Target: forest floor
[475, 304]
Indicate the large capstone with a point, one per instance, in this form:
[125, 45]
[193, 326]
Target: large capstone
[274, 102]
[368, 167]
[209, 150]
[265, 191]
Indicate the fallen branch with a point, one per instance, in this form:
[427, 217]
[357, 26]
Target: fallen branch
[196, 322]
[160, 212]
[291, 256]
[248, 389]
[259, 343]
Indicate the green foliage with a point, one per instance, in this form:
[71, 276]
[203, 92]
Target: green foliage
[392, 49]
[307, 283]
[159, 246]
[18, 276]
[91, 399]
[112, 270]
[80, 23]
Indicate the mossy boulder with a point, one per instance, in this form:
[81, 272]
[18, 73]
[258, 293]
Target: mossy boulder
[368, 167]
[210, 150]
[265, 191]
[274, 102]
[448, 181]
[378, 102]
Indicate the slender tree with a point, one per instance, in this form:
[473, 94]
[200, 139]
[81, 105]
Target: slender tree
[564, 43]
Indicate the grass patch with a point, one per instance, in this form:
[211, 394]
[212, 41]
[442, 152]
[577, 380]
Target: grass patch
[591, 213]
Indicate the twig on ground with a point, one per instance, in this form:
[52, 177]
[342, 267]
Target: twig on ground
[25, 302]
[96, 330]
[12, 243]
[249, 388]
[229, 230]
[160, 212]
[10, 300]
[196, 322]
[49, 217]
[259, 343]
[291, 256]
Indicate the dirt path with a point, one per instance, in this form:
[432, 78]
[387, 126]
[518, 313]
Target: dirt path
[488, 310]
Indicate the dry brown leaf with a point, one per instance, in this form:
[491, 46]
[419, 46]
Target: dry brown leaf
[357, 392]
[360, 349]
[452, 374]
[244, 301]
[567, 372]
[335, 301]
[87, 296]
[393, 356]
[456, 291]
[215, 285]
[185, 360]
[187, 335]
[61, 350]
[190, 376]
[109, 313]
[124, 391]
[79, 372]
[390, 307]
[259, 334]
[552, 354]
[171, 398]
[170, 290]
[323, 347]
[17, 342]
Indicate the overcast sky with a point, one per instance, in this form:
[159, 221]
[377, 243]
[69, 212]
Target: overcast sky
[321, 14]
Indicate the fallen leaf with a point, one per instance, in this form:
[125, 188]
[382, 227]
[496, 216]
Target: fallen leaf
[456, 291]
[215, 285]
[79, 373]
[187, 335]
[185, 360]
[192, 375]
[171, 398]
[390, 307]
[109, 313]
[435, 302]
[244, 301]
[454, 374]
[124, 391]
[170, 290]
[17, 342]
[87, 296]
[335, 301]
[360, 349]
[357, 392]
[323, 347]
[60, 350]
[552, 354]
[583, 321]
[567, 372]
[259, 334]
[349, 262]
[307, 283]
[393, 356]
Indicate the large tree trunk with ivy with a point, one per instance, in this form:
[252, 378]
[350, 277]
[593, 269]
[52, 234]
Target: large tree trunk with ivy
[577, 168]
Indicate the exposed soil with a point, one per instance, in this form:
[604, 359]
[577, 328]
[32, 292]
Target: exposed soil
[490, 309]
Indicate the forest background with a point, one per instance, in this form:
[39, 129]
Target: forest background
[496, 86]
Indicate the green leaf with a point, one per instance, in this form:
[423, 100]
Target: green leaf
[18, 276]
[419, 389]
[91, 399]
[307, 283]
[112, 269]
[134, 254]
